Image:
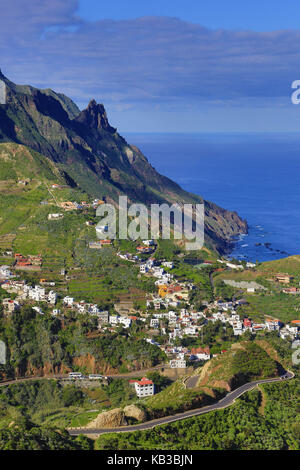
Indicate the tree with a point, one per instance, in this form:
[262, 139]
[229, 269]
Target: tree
[72, 396]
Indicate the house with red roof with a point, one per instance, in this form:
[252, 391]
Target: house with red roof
[143, 387]
[202, 354]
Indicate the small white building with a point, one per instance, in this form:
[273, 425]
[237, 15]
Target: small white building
[202, 354]
[103, 317]
[144, 387]
[11, 306]
[190, 330]
[234, 266]
[55, 312]
[55, 216]
[68, 301]
[158, 272]
[5, 272]
[144, 268]
[125, 321]
[37, 293]
[168, 264]
[114, 319]
[52, 297]
[237, 331]
[154, 323]
[250, 265]
[157, 303]
[178, 364]
[148, 242]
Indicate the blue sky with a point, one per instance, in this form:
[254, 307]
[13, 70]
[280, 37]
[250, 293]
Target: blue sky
[172, 66]
[256, 15]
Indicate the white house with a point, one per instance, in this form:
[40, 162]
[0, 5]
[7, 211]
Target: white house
[154, 323]
[178, 364]
[286, 334]
[293, 330]
[234, 317]
[167, 277]
[176, 333]
[5, 272]
[190, 330]
[150, 263]
[11, 306]
[37, 293]
[69, 301]
[55, 312]
[203, 354]
[52, 297]
[234, 266]
[144, 387]
[103, 317]
[237, 331]
[250, 265]
[148, 242]
[114, 319]
[158, 272]
[157, 303]
[272, 325]
[144, 268]
[168, 264]
[55, 216]
[172, 316]
[126, 322]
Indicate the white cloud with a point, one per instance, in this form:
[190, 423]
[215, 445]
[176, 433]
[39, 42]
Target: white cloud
[162, 61]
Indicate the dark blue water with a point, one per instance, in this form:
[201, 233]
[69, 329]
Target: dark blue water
[258, 175]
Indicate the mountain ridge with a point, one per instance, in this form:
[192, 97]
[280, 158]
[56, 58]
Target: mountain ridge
[101, 162]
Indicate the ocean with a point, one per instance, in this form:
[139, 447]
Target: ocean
[257, 175]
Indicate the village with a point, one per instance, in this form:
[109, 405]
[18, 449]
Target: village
[169, 312]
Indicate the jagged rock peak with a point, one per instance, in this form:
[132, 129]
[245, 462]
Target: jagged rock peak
[95, 117]
[2, 77]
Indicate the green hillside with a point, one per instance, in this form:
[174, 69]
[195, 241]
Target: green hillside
[290, 265]
[244, 362]
[24, 435]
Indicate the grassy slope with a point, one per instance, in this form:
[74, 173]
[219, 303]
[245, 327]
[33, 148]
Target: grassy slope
[290, 265]
[273, 302]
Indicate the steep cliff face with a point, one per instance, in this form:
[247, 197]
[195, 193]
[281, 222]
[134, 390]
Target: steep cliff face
[91, 152]
[108, 419]
[94, 117]
[117, 417]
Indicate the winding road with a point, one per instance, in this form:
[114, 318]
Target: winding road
[228, 400]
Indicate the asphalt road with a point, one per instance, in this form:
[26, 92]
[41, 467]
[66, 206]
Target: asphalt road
[223, 403]
[136, 373]
[192, 381]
